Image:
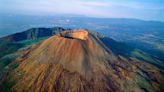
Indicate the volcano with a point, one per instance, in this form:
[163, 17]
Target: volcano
[78, 61]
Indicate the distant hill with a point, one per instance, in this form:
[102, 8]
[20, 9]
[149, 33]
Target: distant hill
[32, 34]
[145, 35]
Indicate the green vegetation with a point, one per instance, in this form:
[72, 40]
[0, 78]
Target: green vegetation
[7, 86]
[138, 53]
[144, 84]
[5, 62]
[125, 50]
[7, 55]
[8, 49]
[13, 66]
[147, 58]
[31, 42]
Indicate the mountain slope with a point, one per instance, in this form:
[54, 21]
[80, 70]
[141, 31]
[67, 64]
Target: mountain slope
[31, 34]
[14, 42]
[78, 61]
[11, 44]
[123, 49]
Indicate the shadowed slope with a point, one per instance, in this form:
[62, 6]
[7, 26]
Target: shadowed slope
[77, 61]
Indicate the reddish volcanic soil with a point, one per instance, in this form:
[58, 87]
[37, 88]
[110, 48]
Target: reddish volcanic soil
[77, 61]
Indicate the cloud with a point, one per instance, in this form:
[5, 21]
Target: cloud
[93, 4]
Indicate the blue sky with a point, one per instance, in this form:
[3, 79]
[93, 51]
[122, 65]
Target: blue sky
[140, 9]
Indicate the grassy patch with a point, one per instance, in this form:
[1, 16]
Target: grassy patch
[147, 58]
[6, 86]
[143, 84]
[31, 42]
[9, 48]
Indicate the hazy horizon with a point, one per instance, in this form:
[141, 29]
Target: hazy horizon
[140, 9]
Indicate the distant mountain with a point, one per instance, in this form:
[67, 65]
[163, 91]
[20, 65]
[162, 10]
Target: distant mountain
[78, 61]
[145, 35]
[13, 42]
[32, 34]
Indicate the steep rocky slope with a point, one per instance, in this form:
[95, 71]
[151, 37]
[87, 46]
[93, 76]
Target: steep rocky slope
[78, 61]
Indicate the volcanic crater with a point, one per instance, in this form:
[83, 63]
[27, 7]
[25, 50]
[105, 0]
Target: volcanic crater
[78, 61]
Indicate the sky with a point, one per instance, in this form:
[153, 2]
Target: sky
[140, 9]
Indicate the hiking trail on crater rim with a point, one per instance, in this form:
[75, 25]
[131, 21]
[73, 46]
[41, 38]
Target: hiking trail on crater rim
[78, 61]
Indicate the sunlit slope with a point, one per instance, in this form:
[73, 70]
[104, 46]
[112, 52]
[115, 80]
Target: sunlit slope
[79, 63]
